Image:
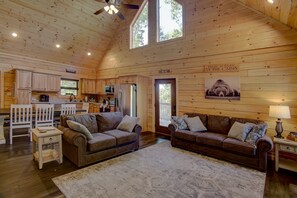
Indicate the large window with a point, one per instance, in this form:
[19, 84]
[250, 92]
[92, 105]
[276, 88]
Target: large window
[69, 87]
[170, 20]
[139, 27]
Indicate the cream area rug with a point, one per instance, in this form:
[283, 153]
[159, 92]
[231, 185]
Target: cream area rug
[161, 171]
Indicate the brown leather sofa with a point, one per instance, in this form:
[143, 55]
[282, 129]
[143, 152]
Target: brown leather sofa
[216, 143]
[108, 141]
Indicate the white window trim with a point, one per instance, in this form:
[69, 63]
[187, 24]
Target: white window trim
[133, 23]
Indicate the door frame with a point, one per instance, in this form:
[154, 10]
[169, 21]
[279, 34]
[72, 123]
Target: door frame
[153, 97]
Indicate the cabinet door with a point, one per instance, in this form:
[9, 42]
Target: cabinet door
[53, 83]
[39, 82]
[23, 79]
[23, 96]
[88, 86]
[100, 85]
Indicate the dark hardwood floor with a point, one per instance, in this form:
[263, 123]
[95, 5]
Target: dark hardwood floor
[20, 176]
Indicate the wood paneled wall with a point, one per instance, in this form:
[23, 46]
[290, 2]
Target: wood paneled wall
[216, 32]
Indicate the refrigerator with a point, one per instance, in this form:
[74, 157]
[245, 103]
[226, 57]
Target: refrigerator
[127, 99]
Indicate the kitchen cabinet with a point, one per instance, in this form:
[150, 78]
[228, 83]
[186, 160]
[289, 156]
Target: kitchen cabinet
[100, 85]
[23, 96]
[23, 79]
[128, 79]
[110, 82]
[53, 83]
[39, 82]
[94, 108]
[88, 86]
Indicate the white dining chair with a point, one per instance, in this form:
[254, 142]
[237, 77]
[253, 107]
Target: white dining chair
[68, 109]
[85, 107]
[20, 118]
[44, 115]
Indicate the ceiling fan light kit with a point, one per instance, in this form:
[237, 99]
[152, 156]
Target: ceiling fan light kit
[113, 6]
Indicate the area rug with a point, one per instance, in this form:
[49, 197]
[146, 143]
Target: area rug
[162, 171]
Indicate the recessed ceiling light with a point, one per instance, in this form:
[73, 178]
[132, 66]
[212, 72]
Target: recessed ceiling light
[14, 34]
[270, 1]
[89, 53]
[58, 46]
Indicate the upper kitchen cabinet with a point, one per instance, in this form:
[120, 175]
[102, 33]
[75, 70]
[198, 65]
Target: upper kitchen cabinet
[88, 86]
[100, 85]
[53, 83]
[23, 79]
[128, 79]
[39, 82]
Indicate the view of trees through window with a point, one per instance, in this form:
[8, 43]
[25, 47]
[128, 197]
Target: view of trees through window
[69, 87]
[170, 20]
[140, 28]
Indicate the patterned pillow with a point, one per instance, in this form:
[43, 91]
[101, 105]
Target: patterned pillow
[256, 133]
[180, 122]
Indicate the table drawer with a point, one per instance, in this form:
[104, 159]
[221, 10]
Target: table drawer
[51, 139]
[287, 148]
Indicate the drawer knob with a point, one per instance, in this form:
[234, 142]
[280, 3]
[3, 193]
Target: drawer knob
[50, 139]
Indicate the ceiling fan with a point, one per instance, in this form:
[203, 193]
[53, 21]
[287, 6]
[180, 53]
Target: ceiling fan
[113, 6]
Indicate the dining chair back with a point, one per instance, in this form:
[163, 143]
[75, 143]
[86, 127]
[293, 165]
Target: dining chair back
[44, 115]
[20, 118]
[68, 109]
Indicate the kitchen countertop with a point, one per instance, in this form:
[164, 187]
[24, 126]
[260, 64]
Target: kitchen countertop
[37, 102]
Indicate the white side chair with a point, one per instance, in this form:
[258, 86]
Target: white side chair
[44, 115]
[68, 109]
[85, 107]
[20, 118]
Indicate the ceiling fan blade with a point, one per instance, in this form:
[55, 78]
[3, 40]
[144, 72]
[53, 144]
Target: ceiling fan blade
[99, 11]
[121, 15]
[130, 6]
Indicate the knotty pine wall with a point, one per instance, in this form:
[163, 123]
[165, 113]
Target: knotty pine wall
[216, 32]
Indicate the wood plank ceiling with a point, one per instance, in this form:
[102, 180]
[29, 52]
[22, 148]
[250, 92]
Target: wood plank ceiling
[41, 24]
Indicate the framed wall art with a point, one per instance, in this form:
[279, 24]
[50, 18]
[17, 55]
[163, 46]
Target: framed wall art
[227, 88]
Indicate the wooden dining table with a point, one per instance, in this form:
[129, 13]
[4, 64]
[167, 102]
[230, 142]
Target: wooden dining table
[5, 113]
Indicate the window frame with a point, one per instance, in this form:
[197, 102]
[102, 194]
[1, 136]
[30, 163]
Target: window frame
[71, 88]
[158, 23]
[133, 23]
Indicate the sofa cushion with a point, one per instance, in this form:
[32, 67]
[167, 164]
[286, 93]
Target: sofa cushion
[211, 139]
[128, 123]
[88, 120]
[244, 120]
[234, 145]
[80, 128]
[186, 135]
[180, 122]
[203, 117]
[101, 142]
[195, 124]
[218, 124]
[108, 121]
[122, 137]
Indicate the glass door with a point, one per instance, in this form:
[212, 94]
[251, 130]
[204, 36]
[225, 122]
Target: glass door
[165, 104]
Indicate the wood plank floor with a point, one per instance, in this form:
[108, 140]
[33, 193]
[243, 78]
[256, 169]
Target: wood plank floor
[20, 176]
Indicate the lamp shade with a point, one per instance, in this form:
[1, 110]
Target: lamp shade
[279, 111]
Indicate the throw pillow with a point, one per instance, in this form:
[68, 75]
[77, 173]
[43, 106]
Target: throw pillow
[256, 133]
[128, 123]
[195, 124]
[180, 122]
[239, 130]
[80, 128]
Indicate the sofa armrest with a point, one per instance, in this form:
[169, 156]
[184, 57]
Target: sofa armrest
[73, 137]
[137, 129]
[264, 144]
[172, 128]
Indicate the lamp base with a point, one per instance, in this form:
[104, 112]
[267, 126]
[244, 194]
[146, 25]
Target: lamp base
[279, 129]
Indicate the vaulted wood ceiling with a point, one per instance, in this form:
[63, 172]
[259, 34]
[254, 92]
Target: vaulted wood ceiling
[41, 24]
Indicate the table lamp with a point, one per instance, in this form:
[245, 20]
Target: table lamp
[279, 112]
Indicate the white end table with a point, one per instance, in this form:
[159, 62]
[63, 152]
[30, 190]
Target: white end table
[285, 145]
[51, 138]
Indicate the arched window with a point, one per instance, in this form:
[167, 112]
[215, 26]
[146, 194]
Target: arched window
[139, 27]
[170, 20]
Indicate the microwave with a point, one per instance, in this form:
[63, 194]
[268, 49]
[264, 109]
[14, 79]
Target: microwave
[109, 89]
